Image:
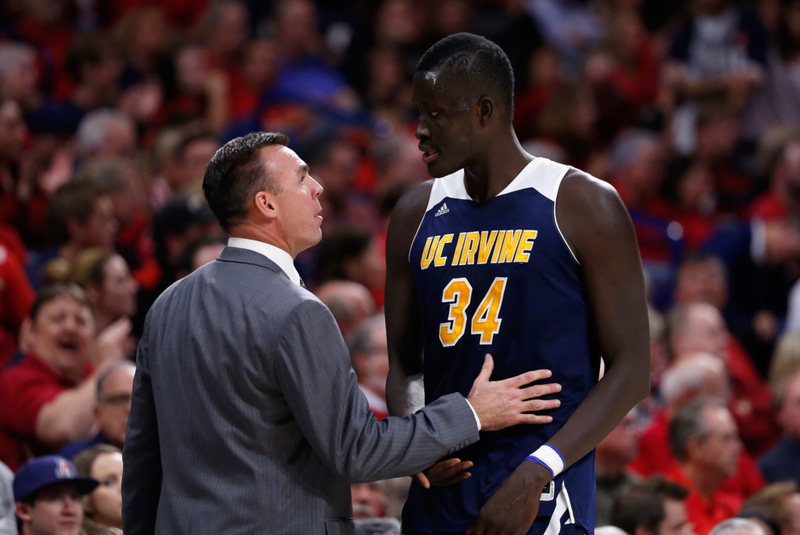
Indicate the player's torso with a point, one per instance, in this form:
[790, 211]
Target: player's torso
[498, 277]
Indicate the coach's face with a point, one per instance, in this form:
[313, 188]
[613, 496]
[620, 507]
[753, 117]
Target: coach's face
[296, 206]
[447, 122]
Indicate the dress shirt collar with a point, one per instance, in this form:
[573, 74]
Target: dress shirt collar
[277, 255]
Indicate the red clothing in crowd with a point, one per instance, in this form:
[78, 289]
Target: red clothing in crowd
[751, 405]
[655, 457]
[768, 207]
[24, 390]
[705, 512]
[16, 300]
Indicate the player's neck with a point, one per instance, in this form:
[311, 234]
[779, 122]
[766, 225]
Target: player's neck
[496, 168]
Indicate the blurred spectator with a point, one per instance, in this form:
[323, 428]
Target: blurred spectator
[377, 526]
[352, 254]
[785, 363]
[693, 377]
[782, 462]
[114, 387]
[783, 195]
[737, 526]
[612, 454]
[103, 506]
[80, 216]
[545, 80]
[699, 327]
[349, 302]
[721, 50]
[48, 493]
[368, 500]
[570, 26]
[49, 397]
[8, 518]
[199, 253]
[191, 156]
[16, 300]
[106, 133]
[652, 507]
[690, 189]
[93, 64]
[108, 284]
[782, 502]
[608, 530]
[705, 442]
[370, 357]
[120, 179]
[19, 76]
[776, 101]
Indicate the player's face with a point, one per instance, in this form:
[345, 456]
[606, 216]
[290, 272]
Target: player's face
[446, 123]
[298, 209]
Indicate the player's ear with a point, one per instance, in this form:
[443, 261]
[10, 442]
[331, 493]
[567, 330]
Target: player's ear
[485, 110]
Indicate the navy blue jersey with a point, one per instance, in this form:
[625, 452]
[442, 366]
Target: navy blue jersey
[498, 277]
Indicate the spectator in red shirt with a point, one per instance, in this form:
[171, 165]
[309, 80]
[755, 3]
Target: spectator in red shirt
[706, 444]
[16, 299]
[783, 195]
[699, 328]
[690, 378]
[48, 399]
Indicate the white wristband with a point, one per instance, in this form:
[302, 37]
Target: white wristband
[550, 457]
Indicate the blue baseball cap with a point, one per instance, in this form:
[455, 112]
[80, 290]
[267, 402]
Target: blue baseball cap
[42, 472]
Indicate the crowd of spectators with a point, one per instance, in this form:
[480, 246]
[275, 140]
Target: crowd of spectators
[110, 111]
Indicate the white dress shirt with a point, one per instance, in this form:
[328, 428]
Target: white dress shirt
[276, 254]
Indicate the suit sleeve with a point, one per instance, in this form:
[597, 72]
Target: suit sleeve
[320, 386]
[141, 480]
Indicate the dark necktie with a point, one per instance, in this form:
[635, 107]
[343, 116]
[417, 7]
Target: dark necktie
[302, 284]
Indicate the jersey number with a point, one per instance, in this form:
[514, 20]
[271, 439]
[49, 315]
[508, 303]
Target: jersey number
[485, 322]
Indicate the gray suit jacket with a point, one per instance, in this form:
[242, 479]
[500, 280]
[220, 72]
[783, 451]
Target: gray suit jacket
[247, 417]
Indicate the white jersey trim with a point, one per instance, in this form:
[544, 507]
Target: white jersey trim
[541, 174]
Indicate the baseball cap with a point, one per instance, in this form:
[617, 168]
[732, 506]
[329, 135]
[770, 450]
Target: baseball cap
[42, 472]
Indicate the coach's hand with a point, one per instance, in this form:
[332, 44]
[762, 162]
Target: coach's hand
[508, 402]
[446, 472]
[513, 507]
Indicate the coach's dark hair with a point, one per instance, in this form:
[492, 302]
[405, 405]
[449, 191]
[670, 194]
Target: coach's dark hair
[236, 173]
[476, 62]
[54, 291]
[688, 423]
[642, 504]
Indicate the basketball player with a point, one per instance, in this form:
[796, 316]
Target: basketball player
[529, 260]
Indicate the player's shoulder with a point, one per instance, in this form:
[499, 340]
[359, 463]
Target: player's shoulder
[414, 202]
[581, 192]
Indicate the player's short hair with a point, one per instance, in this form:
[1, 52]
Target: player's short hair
[642, 503]
[235, 174]
[479, 64]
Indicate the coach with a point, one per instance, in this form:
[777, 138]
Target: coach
[246, 416]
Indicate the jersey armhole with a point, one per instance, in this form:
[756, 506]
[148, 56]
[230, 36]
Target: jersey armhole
[414, 239]
[555, 220]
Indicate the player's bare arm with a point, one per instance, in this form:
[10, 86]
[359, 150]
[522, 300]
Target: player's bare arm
[598, 229]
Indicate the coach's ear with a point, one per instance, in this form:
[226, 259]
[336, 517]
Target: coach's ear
[485, 110]
[265, 204]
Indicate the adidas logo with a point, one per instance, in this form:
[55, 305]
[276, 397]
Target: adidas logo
[443, 210]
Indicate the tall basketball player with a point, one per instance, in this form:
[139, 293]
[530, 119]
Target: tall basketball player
[532, 261]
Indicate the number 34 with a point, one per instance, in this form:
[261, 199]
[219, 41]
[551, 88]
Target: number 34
[485, 322]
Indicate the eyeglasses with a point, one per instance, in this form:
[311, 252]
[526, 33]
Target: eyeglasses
[120, 400]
